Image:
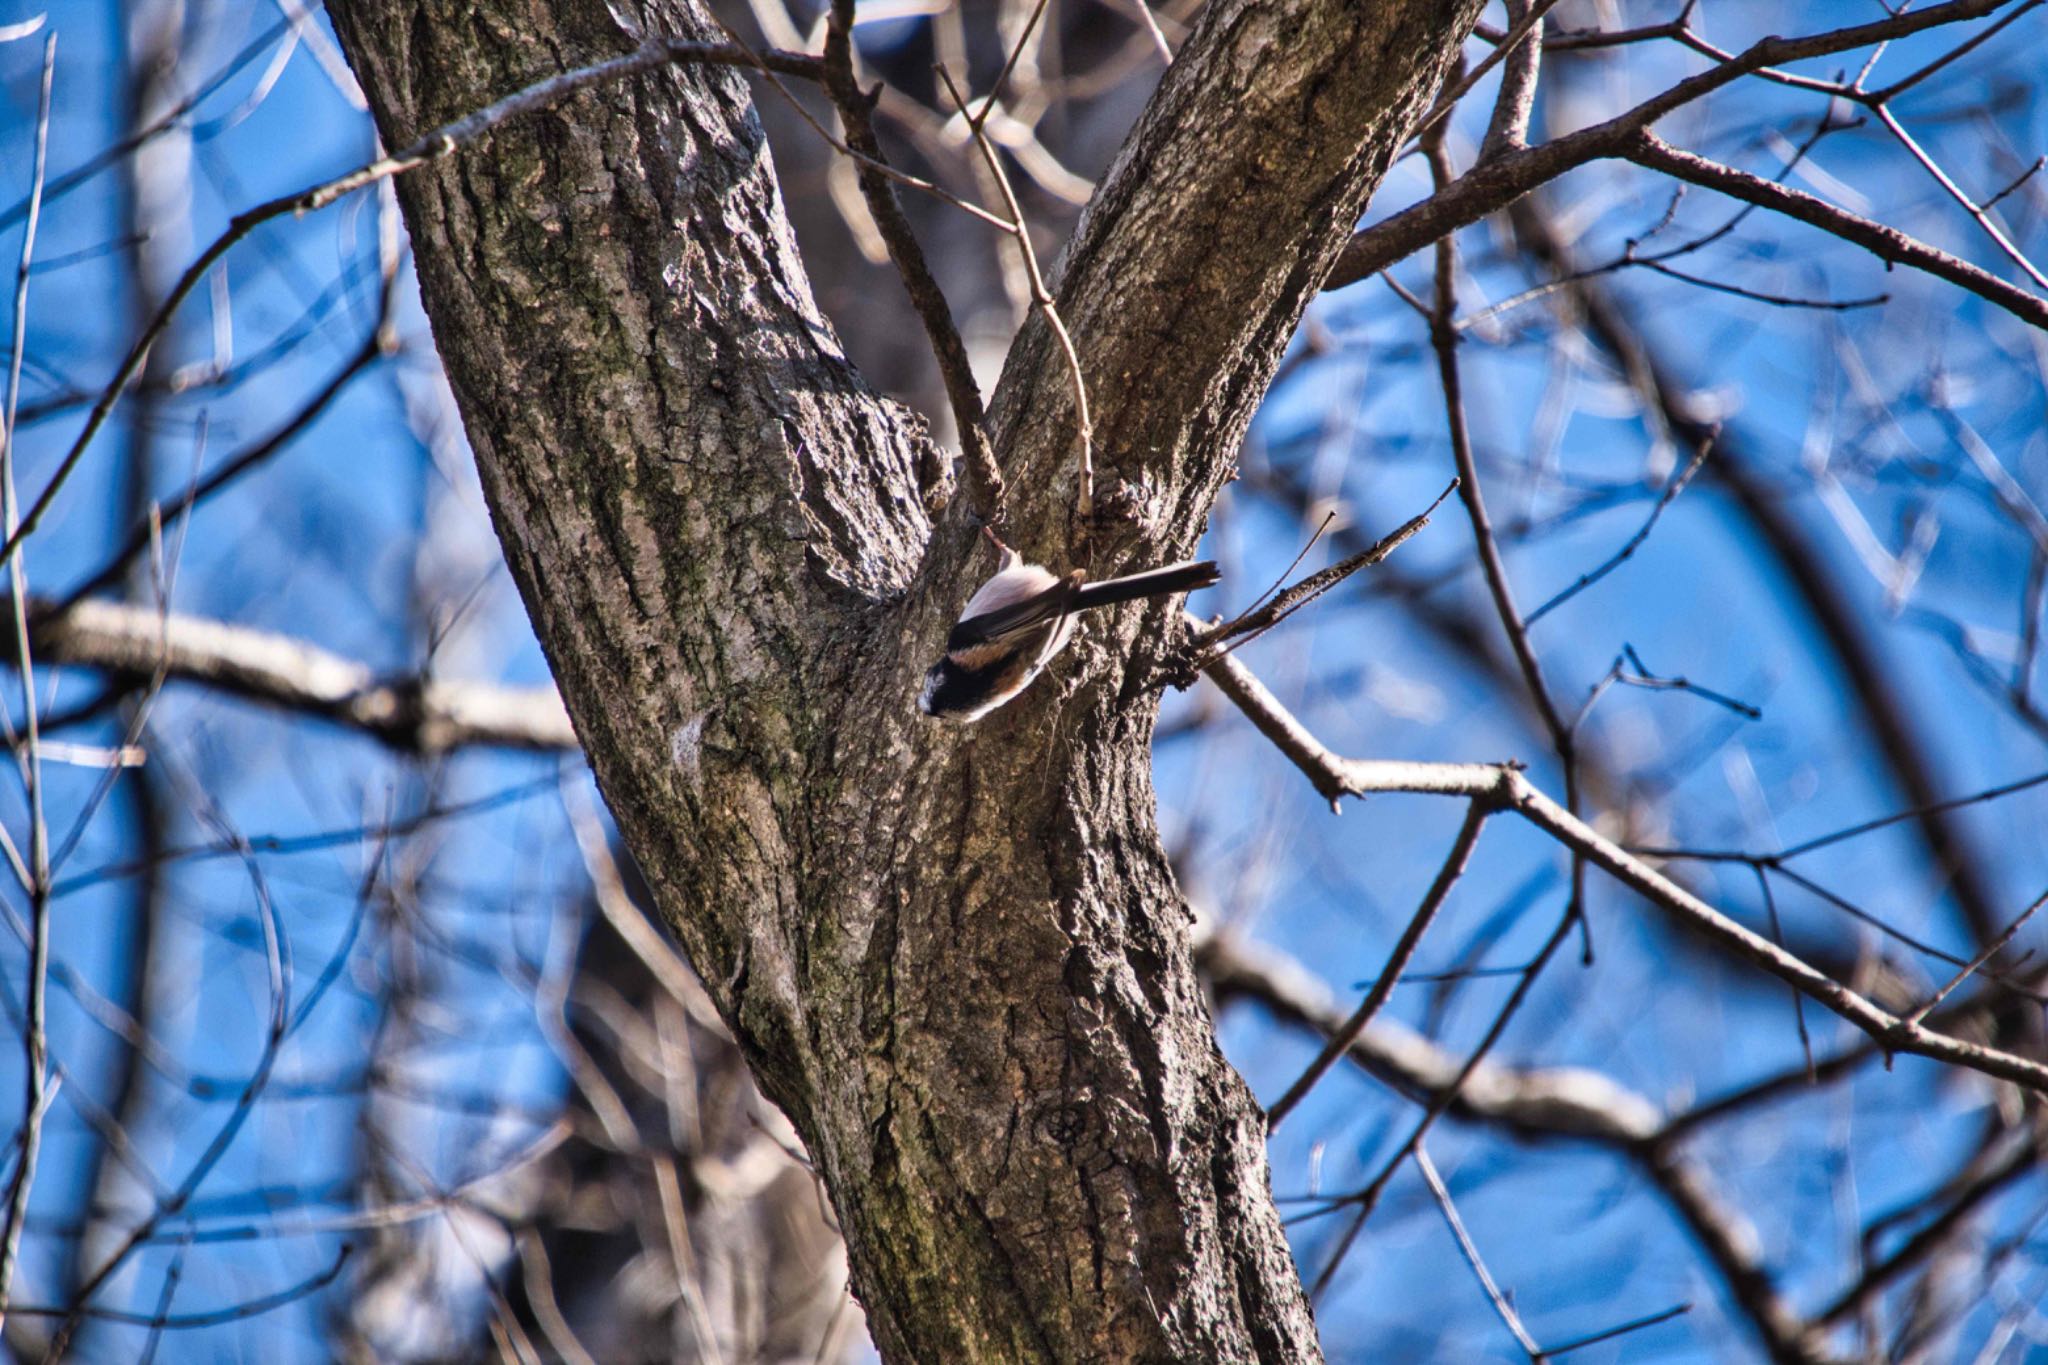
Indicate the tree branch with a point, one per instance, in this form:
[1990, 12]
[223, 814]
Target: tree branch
[1531, 1102]
[422, 715]
[1884, 712]
[1504, 788]
[1885, 242]
[1342, 1037]
[985, 479]
[1535, 1102]
[1496, 183]
[439, 143]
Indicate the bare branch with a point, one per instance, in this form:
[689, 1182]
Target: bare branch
[35, 1041]
[1367, 1199]
[1257, 621]
[378, 343]
[1538, 1102]
[213, 1317]
[1444, 341]
[1976, 964]
[1884, 712]
[1500, 181]
[985, 486]
[1508, 131]
[1549, 1102]
[1729, 1243]
[1504, 786]
[1618, 1330]
[2022, 1156]
[1970, 206]
[423, 714]
[1501, 1306]
[1397, 963]
[1887, 243]
[427, 818]
[278, 973]
[170, 118]
[441, 142]
[1634, 542]
[1443, 338]
[1084, 498]
[1518, 85]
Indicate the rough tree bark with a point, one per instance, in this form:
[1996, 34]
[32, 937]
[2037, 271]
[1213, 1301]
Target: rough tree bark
[957, 959]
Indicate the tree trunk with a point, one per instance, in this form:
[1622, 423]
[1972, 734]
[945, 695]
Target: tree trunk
[956, 958]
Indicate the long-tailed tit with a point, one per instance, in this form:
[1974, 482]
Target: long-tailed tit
[1018, 620]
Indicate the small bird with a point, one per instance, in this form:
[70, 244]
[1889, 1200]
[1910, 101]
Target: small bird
[1018, 620]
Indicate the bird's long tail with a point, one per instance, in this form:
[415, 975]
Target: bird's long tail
[1152, 583]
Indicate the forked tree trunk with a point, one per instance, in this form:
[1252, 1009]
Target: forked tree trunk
[956, 958]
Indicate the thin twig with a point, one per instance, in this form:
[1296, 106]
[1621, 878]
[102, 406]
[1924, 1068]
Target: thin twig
[1152, 29]
[1449, 99]
[1634, 542]
[1880, 239]
[290, 844]
[1016, 54]
[539, 1280]
[1292, 564]
[1084, 497]
[1506, 178]
[114, 152]
[1510, 790]
[1397, 962]
[1619, 1330]
[1956, 192]
[1253, 623]
[2024, 176]
[1976, 964]
[985, 479]
[439, 143]
[1847, 832]
[172, 1274]
[179, 1322]
[765, 64]
[380, 342]
[1368, 1199]
[163, 577]
[1762, 295]
[1763, 882]
[1618, 675]
[35, 1041]
[279, 977]
[1501, 1306]
[1443, 338]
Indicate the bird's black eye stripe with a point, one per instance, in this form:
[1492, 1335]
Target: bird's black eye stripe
[959, 690]
[967, 689]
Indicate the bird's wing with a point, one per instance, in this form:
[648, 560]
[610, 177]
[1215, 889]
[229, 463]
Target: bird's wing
[1043, 604]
